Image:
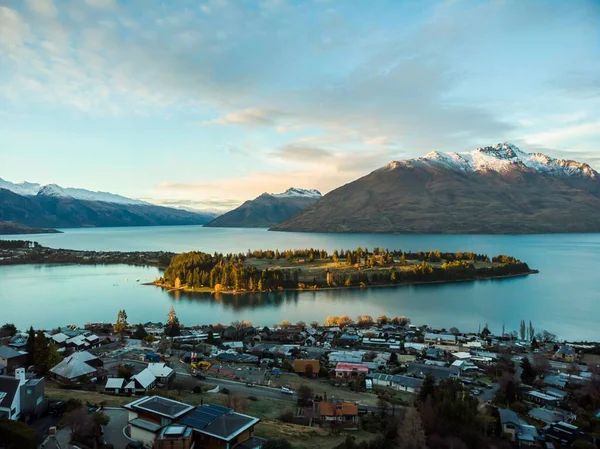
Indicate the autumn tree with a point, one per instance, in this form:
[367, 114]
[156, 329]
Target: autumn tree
[121, 325]
[331, 320]
[364, 320]
[285, 323]
[344, 321]
[383, 320]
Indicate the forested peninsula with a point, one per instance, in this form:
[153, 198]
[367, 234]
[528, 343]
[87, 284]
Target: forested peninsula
[300, 269]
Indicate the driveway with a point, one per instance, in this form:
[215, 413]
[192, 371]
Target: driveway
[113, 433]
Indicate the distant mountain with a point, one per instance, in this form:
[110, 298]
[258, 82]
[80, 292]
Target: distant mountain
[267, 210]
[52, 206]
[12, 228]
[497, 189]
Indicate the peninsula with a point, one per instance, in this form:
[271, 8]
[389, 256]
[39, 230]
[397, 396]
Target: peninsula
[264, 271]
[20, 252]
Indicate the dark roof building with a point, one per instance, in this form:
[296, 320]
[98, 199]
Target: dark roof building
[217, 426]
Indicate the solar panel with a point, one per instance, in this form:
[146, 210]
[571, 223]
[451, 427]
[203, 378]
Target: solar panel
[204, 415]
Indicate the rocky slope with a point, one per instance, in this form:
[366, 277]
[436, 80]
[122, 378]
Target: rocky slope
[497, 189]
[268, 209]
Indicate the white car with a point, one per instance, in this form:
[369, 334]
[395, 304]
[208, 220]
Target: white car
[286, 390]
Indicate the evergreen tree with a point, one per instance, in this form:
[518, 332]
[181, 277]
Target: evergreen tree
[140, 332]
[53, 356]
[428, 388]
[528, 375]
[41, 352]
[31, 345]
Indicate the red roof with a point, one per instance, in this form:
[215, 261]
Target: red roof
[352, 367]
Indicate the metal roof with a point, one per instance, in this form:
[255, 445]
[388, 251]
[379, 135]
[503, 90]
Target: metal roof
[160, 406]
[75, 366]
[8, 353]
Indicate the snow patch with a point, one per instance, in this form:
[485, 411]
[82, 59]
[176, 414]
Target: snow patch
[502, 158]
[54, 190]
[295, 192]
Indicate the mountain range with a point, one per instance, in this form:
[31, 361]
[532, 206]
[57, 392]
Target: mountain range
[495, 189]
[267, 209]
[52, 206]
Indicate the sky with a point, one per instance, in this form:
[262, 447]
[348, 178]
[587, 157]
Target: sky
[205, 104]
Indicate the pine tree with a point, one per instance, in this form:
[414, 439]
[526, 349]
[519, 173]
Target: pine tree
[428, 387]
[528, 375]
[31, 345]
[41, 352]
[53, 356]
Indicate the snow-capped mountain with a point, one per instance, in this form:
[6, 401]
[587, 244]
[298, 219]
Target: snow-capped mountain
[503, 158]
[267, 209]
[53, 206]
[496, 189]
[53, 190]
[295, 192]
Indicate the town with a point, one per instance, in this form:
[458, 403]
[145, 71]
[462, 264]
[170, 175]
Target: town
[344, 383]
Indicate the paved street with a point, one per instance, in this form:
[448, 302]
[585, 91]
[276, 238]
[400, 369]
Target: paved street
[113, 433]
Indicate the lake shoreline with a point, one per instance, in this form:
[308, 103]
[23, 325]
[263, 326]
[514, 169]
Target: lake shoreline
[171, 289]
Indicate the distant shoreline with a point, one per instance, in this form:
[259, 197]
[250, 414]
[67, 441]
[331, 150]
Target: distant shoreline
[208, 290]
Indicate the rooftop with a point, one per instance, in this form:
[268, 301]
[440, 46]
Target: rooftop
[160, 406]
[329, 408]
[8, 388]
[9, 353]
[219, 422]
[75, 366]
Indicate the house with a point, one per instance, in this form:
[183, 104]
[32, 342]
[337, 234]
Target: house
[163, 373]
[343, 370]
[435, 354]
[149, 414]
[346, 357]
[11, 359]
[309, 368]
[509, 423]
[565, 353]
[563, 433]
[343, 415]
[550, 416]
[21, 397]
[438, 372]
[115, 385]
[439, 338]
[142, 382]
[397, 382]
[464, 366]
[78, 367]
[218, 427]
[538, 397]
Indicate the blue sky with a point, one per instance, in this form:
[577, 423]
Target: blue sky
[207, 103]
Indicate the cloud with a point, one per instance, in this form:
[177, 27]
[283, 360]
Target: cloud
[565, 134]
[205, 204]
[301, 153]
[42, 7]
[246, 117]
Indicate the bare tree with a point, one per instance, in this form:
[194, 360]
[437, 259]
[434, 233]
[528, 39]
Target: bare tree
[410, 432]
[541, 364]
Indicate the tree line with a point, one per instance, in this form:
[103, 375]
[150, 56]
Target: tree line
[223, 272]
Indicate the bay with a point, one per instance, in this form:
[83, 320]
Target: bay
[563, 298]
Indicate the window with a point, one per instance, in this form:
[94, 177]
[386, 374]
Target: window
[29, 391]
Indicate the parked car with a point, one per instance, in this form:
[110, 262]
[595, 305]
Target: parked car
[249, 384]
[225, 390]
[476, 392]
[287, 390]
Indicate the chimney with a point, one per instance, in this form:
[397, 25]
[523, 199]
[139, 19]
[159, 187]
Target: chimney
[20, 374]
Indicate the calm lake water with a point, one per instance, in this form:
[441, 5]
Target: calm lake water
[564, 298]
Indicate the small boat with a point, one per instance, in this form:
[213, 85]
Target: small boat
[125, 279]
[137, 280]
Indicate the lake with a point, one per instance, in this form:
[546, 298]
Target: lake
[563, 298]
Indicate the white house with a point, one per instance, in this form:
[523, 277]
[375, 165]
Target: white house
[163, 373]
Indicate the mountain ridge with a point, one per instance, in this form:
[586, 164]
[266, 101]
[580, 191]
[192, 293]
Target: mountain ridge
[491, 190]
[267, 209]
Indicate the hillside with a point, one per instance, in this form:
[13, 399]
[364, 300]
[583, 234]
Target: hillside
[267, 210]
[51, 208]
[492, 190]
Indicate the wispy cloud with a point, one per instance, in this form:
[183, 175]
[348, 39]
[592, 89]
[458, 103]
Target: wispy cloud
[246, 117]
[301, 153]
